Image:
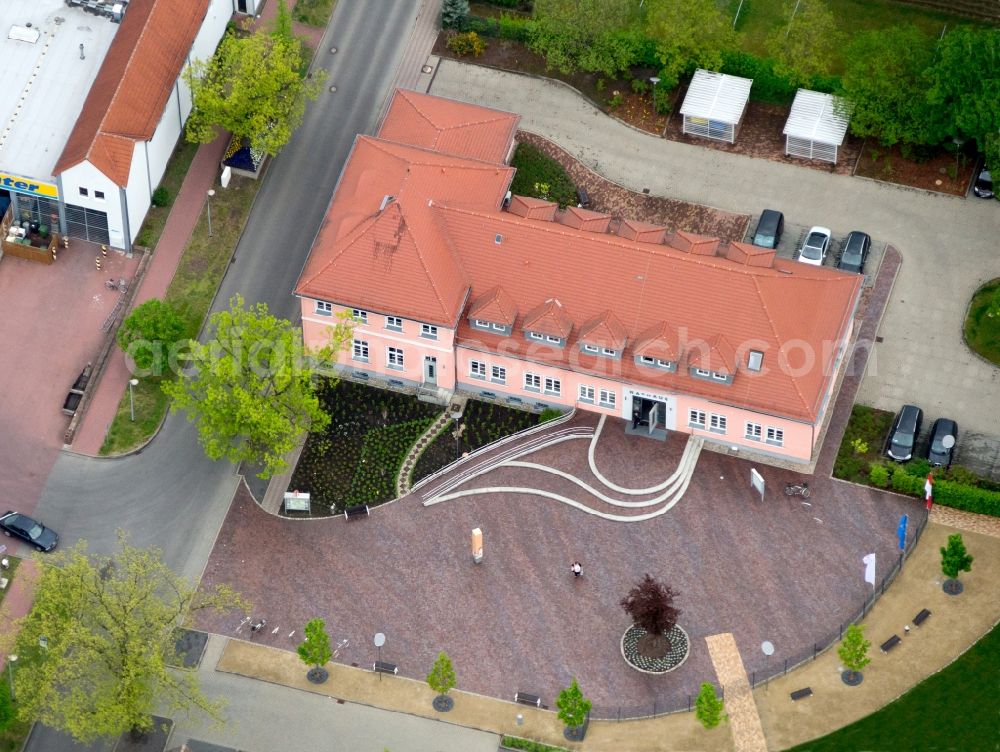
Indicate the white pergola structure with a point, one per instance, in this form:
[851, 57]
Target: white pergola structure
[816, 126]
[714, 105]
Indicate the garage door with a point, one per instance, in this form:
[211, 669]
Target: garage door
[88, 224]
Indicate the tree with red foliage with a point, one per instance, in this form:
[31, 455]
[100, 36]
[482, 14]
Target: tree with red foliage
[651, 606]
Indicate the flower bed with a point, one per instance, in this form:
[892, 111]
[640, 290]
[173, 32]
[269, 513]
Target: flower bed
[331, 467]
[482, 423]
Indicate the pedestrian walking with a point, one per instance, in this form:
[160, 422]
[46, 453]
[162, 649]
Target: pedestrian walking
[577, 569]
[906, 629]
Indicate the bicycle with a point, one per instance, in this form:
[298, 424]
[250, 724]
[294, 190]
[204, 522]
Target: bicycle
[797, 489]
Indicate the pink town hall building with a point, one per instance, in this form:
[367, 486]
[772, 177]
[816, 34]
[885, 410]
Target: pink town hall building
[454, 285]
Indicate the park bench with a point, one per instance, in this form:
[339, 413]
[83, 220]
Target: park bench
[798, 694]
[890, 643]
[383, 667]
[921, 617]
[525, 698]
[72, 401]
[356, 512]
[582, 199]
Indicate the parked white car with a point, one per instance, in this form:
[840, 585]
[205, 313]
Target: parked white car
[816, 245]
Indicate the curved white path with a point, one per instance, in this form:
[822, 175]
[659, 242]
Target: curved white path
[614, 486]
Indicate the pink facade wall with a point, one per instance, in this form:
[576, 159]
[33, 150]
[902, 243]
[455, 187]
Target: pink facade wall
[454, 370]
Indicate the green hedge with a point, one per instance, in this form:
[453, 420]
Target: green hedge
[516, 28]
[948, 493]
[516, 742]
[769, 86]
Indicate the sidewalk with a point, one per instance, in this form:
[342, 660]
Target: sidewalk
[955, 624]
[184, 214]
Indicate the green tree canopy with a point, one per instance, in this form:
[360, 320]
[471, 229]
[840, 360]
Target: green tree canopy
[954, 557]
[853, 650]
[573, 706]
[708, 708]
[250, 389]
[808, 45]
[149, 333]
[592, 35]
[689, 34]
[453, 11]
[884, 80]
[253, 87]
[109, 624]
[442, 676]
[315, 650]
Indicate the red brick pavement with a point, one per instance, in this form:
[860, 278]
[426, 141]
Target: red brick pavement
[184, 215]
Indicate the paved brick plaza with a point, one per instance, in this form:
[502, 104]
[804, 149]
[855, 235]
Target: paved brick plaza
[519, 620]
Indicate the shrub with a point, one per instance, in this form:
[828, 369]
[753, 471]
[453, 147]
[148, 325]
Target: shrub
[534, 167]
[859, 445]
[768, 86]
[879, 475]
[515, 28]
[573, 706]
[149, 334]
[853, 650]
[708, 707]
[528, 745]
[7, 714]
[161, 197]
[442, 676]
[549, 413]
[639, 86]
[918, 468]
[906, 483]
[600, 84]
[954, 557]
[468, 43]
[314, 650]
[615, 100]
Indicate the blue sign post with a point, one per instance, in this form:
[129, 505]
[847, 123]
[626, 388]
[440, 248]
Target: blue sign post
[901, 532]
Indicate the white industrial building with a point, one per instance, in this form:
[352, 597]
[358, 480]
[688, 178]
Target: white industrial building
[94, 104]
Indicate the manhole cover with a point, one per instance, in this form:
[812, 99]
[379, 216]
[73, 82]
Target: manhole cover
[333, 50]
[333, 88]
[427, 69]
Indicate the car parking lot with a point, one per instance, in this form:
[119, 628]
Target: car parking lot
[795, 234]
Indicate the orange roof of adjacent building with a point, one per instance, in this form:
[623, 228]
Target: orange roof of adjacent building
[419, 234]
[127, 99]
[465, 130]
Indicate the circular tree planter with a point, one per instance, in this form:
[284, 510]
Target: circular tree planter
[317, 675]
[575, 733]
[680, 648]
[852, 678]
[443, 703]
[953, 587]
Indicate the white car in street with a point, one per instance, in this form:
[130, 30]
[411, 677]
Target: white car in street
[816, 245]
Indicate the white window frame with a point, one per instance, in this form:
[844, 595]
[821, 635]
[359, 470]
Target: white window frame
[593, 349]
[498, 327]
[395, 323]
[754, 431]
[775, 436]
[481, 324]
[755, 361]
[587, 394]
[553, 340]
[719, 376]
[477, 369]
[359, 350]
[428, 331]
[98, 195]
[648, 360]
[664, 364]
[696, 418]
[359, 316]
[536, 336]
[498, 374]
[532, 382]
[702, 372]
[608, 352]
[553, 386]
[717, 423]
[395, 358]
[607, 398]
[323, 308]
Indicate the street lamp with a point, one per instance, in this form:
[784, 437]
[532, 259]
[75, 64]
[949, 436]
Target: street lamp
[655, 81]
[379, 642]
[208, 203]
[11, 660]
[132, 383]
[767, 648]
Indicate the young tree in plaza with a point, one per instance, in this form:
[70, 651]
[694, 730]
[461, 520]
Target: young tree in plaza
[808, 45]
[315, 650]
[95, 649]
[254, 87]
[573, 706]
[149, 333]
[442, 676]
[708, 707]
[955, 559]
[651, 606]
[853, 650]
[250, 388]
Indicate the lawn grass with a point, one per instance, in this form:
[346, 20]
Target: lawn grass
[540, 176]
[156, 217]
[956, 709]
[13, 737]
[314, 12]
[191, 291]
[759, 18]
[15, 562]
[869, 427]
[982, 332]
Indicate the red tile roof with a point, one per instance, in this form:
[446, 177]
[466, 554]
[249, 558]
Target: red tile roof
[465, 130]
[494, 306]
[604, 330]
[130, 92]
[443, 240]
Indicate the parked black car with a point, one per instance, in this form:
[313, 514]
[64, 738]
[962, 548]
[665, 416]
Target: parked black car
[983, 187]
[29, 530]
[942, 448]
[855, 252]
[903, 434]
[769, 229]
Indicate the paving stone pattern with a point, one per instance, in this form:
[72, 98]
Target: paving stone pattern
[748, 735]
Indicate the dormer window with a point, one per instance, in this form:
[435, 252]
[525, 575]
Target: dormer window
[704, 373]
[553, 340]
[755, 361]
[609, 353]
[593, 349]
[489, 326]
[536, 336]
[719, 376]
[650, 362]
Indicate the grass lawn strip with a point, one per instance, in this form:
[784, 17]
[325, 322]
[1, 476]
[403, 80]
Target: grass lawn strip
[982, 332]
[540, 176]
[956, 709]
[314, 12]
[8, 573]
[199, 273]
[173, 177]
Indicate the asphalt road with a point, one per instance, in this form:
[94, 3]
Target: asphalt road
[170, 495]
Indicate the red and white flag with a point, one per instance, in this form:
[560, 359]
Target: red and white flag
[929, 490]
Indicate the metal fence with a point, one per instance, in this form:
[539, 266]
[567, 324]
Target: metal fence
[775, 667]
